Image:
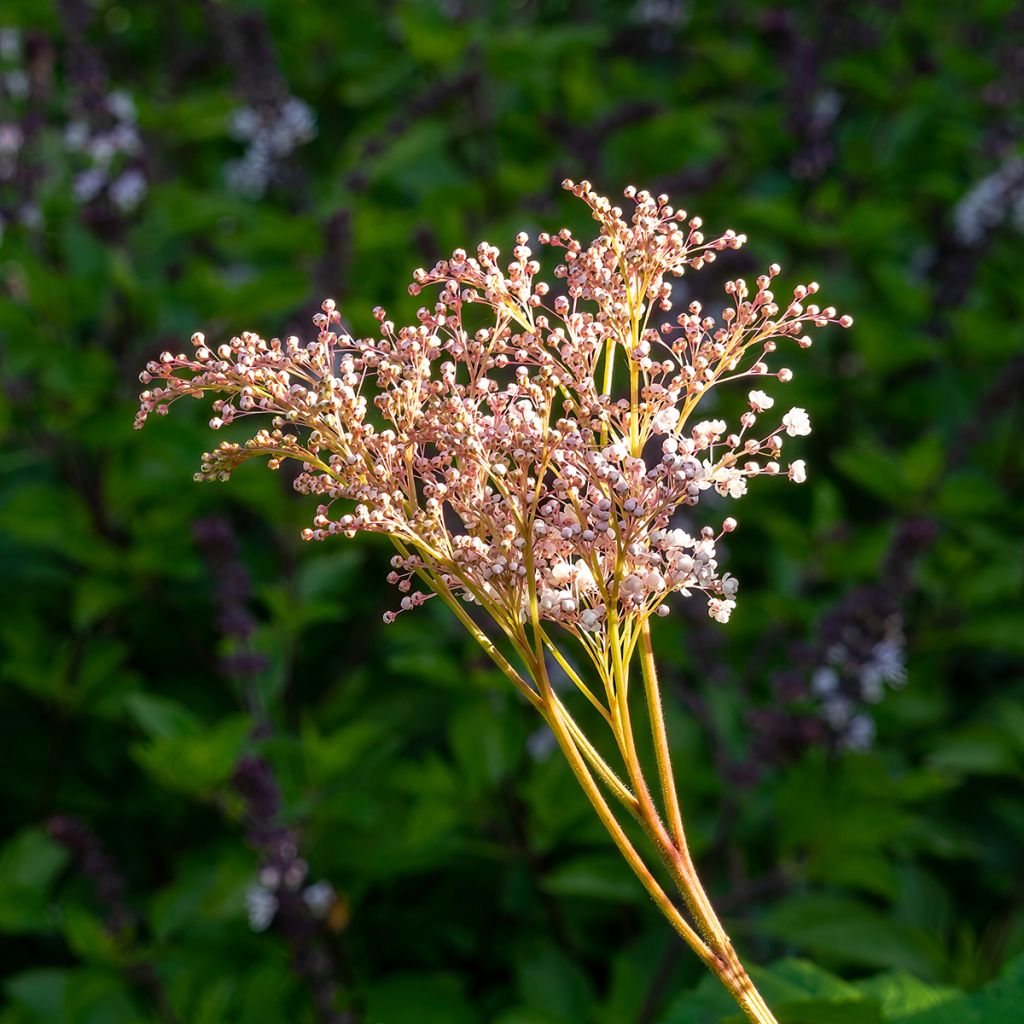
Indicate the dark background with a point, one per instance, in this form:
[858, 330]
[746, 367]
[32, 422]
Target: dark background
[200, 712]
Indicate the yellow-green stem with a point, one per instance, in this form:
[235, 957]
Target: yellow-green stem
[611, 824]
[673, 849]
[660, 736]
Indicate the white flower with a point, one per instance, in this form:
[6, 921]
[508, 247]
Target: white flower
[760, 401]
[797, 422]
[128, 191]
[244, 123]
[837, 710]
[886, 664]
[89, 184]
[76, 135]
[16, 83]
[707, 429]
[260, 907]
[561, 573]
[11, 138]
[824, 681]
[729, 480]
[677, 539]
[585, 581]
[299, 119]
[10, 44]
[121, 105]
[319, 897]
[859, 733]
[720, 610]
[798, 471]
[666, 420]
[101, 149]
[654, 581]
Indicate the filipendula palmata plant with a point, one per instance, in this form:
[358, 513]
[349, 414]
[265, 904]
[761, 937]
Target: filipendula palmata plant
[509, 476]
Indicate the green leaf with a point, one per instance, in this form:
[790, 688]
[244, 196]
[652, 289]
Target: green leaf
[160, 717]
[593, 876]
[550, 981]
[195, 764]
[843, 930]
[901, 994]
[487, 739]
[87, 938]
[28, 865]
[41, 991]
[423, 998]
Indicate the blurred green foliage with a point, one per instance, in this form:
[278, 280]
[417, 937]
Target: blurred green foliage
[872, 145]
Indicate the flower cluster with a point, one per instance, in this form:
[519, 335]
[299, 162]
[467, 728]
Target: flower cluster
[107, 146]
[14, 139]
[271, 134]
[490, 439]
[283, 895]
[13, 88]
[884, 663]
[997, 197]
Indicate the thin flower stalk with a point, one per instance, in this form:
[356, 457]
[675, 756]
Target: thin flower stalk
[486, 441]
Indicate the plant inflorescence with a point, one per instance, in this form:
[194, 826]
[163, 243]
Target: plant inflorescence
[526, 448]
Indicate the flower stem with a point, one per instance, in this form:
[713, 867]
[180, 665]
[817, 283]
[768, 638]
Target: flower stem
[661, 750]
[710, 941]
[615, 830]
[675, 850]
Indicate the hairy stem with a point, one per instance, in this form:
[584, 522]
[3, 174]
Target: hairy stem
[673, 848]
[621, 840]
[661, 750]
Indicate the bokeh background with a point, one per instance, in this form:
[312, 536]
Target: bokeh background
[229, 793]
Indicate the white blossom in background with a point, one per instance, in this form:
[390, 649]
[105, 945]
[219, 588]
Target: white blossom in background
[662, 14]
[106, 149]
[260, 907]
[860, 733]
[271, 136]
[10, 44]
[825, 108]
[11, 138]
[128, 190]
[319, 898]
[856, 675]
[996, 198]
[12, 78]
[887, 664]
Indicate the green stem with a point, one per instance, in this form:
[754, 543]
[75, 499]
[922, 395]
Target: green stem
[661, 749]
[619, 837]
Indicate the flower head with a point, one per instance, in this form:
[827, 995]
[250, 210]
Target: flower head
[797, 422]
[500, 459]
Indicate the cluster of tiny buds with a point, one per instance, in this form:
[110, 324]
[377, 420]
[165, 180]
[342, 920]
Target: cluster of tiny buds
[500, 459]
